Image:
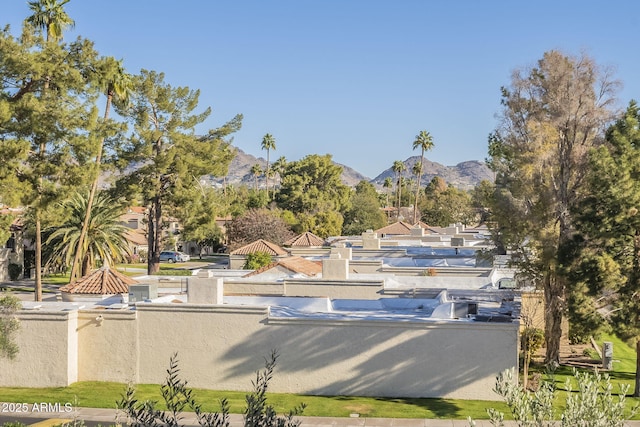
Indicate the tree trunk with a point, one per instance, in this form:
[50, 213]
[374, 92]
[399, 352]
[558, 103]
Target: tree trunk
[87, 216]
[415, 207]
[554, 296]
[267, 176]
[38, 281]
[154, 238]
[399, 191]
[525, 360]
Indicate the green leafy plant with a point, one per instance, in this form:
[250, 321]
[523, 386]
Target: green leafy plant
[178, 397]
[9, 324]
[258, 412]
[592, 404]
[256, 260]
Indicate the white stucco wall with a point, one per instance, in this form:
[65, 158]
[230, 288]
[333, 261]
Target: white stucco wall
[221, 347]
[48, 351]
[108, 349]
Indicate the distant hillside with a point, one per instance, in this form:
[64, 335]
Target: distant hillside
[464, 175]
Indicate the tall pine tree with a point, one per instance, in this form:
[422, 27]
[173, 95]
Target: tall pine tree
[166, 151]
[607, 250]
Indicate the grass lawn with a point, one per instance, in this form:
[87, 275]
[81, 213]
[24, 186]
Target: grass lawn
[104, 395]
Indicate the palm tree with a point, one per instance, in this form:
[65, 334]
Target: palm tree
[388, 184]
[256, 170]
[278, 167]
[105, 241]
[416, 172]
[398, 167]
[425, 142]
[50, 17]
[117, 85]
[268, 143]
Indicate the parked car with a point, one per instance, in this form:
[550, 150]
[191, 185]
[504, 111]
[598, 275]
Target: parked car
[173, 256]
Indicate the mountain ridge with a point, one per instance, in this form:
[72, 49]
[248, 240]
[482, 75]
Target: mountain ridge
[465, 175]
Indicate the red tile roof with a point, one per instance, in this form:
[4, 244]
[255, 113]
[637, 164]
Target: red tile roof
[305, 239]
[399, 227]
[295, 264]
[260, 246]
[103, 281]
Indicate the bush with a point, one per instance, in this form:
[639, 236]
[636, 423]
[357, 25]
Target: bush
[9, 324]
[15, 271]
[531, 340]
[178, 397]
[592, 404]
[257, 260]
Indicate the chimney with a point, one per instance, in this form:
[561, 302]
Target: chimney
[335, 268]
[370, 240]
[342, 250]
[205, 289]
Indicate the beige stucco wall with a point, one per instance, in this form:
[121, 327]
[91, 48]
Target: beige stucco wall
[48, 351]
[248, 287]
[108, 345]
[221, 347]
[334, 289]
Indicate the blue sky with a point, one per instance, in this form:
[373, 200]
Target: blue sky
[353, 78]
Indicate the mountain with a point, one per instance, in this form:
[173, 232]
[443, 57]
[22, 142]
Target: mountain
[465, 175]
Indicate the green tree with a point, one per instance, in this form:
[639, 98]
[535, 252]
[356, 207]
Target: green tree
[398, 167]
[313, 186]
[105, 242]
[327, 223]
[424, 141]
[256, 260]
[364, 212]
[552, 114]
[268, 143]
[482, 197]
[117, 85]
[9, 324]
[197, 210]
[47, 107]
[165, 151]
[607, 248]
[445, 205]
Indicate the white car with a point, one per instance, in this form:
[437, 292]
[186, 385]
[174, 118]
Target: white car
[174, 256]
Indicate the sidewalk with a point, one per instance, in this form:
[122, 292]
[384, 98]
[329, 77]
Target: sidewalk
[107, 417]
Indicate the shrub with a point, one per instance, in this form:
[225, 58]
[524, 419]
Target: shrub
[9, 324]
[256, 260]
[15, 270]
[592, 404]
[178, 397]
